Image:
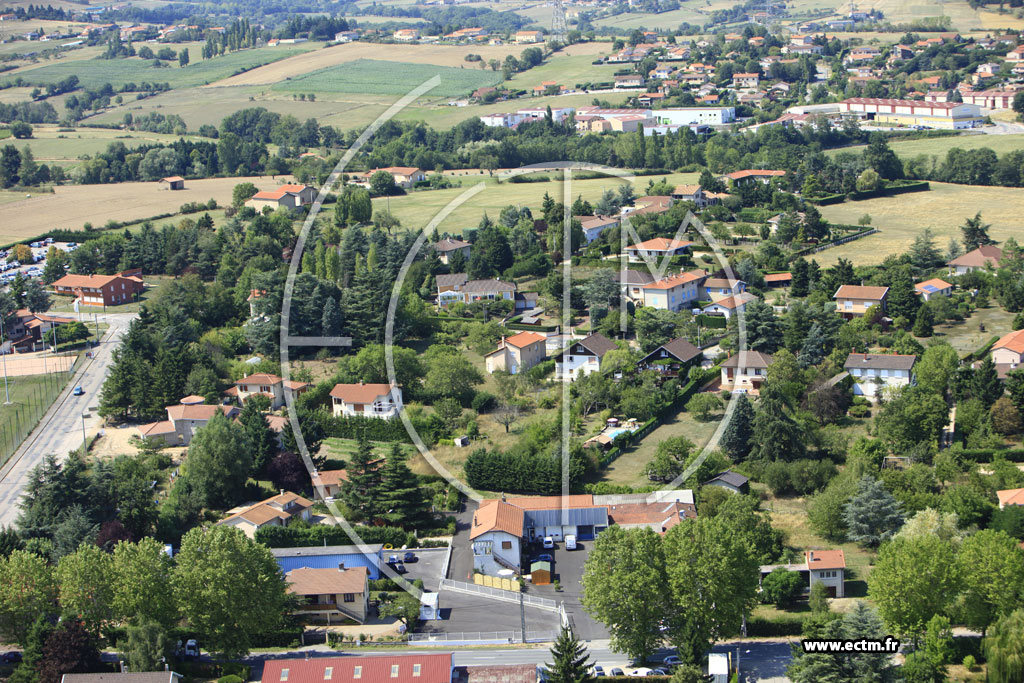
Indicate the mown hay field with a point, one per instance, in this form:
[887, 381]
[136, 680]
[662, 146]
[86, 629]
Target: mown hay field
[375, 77]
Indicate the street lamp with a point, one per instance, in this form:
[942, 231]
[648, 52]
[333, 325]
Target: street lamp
[7, 390]
[85, 448]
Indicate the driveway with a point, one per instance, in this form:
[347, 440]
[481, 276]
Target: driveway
[428, 565]
[461, 567]
[568, 569]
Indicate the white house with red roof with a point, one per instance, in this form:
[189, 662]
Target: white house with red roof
[673, 292]
[1009, 350]
[986, 256]
[369, 400]
[405, 176]
[933, 287]
[517, 353]
[827, 567]
[730, 305]
[1010, 497]
[184, 419]
[273, 387]
[404, 668]
[657, 248]
[289, 196]
[495, 535]
[751, 175]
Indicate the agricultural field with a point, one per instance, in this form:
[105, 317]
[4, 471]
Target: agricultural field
[117, 72]
[908, 149]
[567, 71]
[389, 78]
[901, 218]
[416, 210]
[50, 145]
[70, 206]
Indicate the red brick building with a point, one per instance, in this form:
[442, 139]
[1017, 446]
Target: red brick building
[101, 290]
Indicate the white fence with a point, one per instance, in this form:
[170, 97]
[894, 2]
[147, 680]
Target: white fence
[498, 594]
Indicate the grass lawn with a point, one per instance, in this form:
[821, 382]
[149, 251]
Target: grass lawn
[908, 149]
[967, 336]
[50, 145]
[568, 71]
[901, 218]
[31, 397]
[416, 210]
[343, 449]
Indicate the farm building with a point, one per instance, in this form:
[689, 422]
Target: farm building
[287, 196]
[174, 182]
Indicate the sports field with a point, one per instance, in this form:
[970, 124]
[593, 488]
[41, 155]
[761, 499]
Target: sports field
[375, 77]
[71, 206]
[901, 218]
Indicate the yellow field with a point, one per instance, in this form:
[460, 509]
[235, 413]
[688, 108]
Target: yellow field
[71, 206]
[901, 218]
[439, 55]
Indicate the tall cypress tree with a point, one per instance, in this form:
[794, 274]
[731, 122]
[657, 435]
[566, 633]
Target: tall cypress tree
[776, 435]
[401, 501]
[571, 661]
[736, 437]
[360, 492]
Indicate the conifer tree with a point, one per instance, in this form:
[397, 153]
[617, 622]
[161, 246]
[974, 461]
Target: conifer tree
[401, 500]
[571, 661]
[360, 492]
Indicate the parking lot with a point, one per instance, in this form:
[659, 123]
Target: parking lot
[9, 267]
[428, 565]
[568, 569]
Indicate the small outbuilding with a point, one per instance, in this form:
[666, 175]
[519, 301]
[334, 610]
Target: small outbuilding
[731, 481]
[174, 182]
[540, 573]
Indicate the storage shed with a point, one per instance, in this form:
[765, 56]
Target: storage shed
[540, 573]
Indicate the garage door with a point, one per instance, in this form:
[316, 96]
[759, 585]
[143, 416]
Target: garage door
[586, 532]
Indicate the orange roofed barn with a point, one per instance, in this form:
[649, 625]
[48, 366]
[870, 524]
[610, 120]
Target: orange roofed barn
[101, 290]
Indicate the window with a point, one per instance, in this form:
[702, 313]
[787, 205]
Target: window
[284, 674]
[394, 671]
[265, 389]
[328, 673]
[415, 669]
[885, 373]
[506, 545]
[357, 672]
[350, 597]
[849, 305]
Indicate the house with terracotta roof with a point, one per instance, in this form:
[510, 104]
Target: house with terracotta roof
[854, 301]
[1009, 350]
[695, 194]
[183, 421]
[406, 35]
[933, 287]
[405, 176]
[412, 668]
[648, 204]
[278, 510]
[517, 353]
[273, 387]
[495, 535]
[874, 372]
[101, 290]
[289, 196]
[674, 292]
[457, 287]
[778, 279]
[582, 357]
[827, 567]
[331, 480]
[593, 226]
[335, 593]
[528, 37]
[751, 176]
[730, 305]
[982, 258]
[447, 247]
[383, 401]
[27, 331]
[1010, 497]
[671, 359]
[657, 247]
[745, 80]
[745, 371]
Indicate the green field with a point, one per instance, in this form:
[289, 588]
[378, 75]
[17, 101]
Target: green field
[567, 71]
[389, 78]
[901, 218]
[908, 149]
[31, 396]
[95, 72]
[343, 449]
[52, 146]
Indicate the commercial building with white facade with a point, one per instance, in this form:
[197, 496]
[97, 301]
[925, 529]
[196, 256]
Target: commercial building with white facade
[946, 115]
[711, 116]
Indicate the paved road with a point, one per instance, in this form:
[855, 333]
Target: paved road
[60, 430]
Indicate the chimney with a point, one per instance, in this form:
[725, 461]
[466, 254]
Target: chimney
[282, 491]
[810, 556]
[341, 566]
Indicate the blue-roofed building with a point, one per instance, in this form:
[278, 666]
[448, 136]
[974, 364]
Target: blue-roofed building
[331, 557]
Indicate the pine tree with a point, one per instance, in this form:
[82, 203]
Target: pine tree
[331, 321]
[776, 435]
[902, 300]
[985, 384]
[361, 490]
[401, 500]
[925, 321]
[873, 515]
[736, 436]
[801, 278]
[264, 441]
[571, 661]
[975, 233]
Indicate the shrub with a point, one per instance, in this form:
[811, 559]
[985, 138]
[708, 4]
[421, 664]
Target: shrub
[483, 402]
[970, 662]
[859, 411]
[230, 678]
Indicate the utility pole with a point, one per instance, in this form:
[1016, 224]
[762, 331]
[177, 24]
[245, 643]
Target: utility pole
[522, 613]
[85, 447]
[7, 390]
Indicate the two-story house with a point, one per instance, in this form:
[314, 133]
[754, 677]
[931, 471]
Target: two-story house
[751, 176]
[632, 283]
[495, 536]
[28, 331]
[101, 290]
[933, 287]
[183, 421]
[447, 247]
[457, 287]
[405, 177]
[873, 372]
[593, 226]
[730, 305]
[854, 301]
[673, 293]
[279, 510]
[987, 256]
[273, 387]
[583, 357]
[328, 594]
[672, 359]
[368, 400]
[827, 567]
[717, 288]
[517, 353]
[657, 248]
[288, 196]
[745, 371]
[745, 80]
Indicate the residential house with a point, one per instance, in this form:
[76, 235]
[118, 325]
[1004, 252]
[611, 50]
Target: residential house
[346, 36]
[695, 194]
[367, 400]
[495, 536]
[657, 248]
[288, 196]
[658, 516]
[174, 182]
[778, 279]
[629, 81]
[517, 353]
[28, 331]
[447, 247]
[1010, 497]
[1008, 352]
[406, 35]
[279, 510]
[593, 226]
[339, 593]
[582, 357]
[873, 372]
[331, 481]
[102, 290]
[405, 176]
[273, 387]
[827, 567]
[405, 668]
[716, 288]
[673, 292]
[642, 205]
[730, 481]
[183, 421]
[632, 282]
[1016, 54]
[745, 371]
[854, 301]
[752, 175]
[672, 359]
[457, 287]
[982, 258]
[745, 80]
[933, 287]
[730, 305]
[529, 37]
[369, 556]
[124, 677]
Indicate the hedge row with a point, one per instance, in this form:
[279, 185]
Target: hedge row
[987, 454]
[982, 352]
[888, 191]
[321, 534]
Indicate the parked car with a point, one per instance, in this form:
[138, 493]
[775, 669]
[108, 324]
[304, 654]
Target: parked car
[410, 557]
[642, 672]
[570, 542]
[597, 671]
[191, 649]
[12, 657]
[78, 391]
[672, 660]
[616, 671]
[545, 557]
[549, 542]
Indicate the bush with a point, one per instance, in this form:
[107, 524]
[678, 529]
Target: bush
[483, 402]
[970, 662]
[230, 678]
[859, 411]
[294, 536]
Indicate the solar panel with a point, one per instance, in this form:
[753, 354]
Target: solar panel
[930, 288]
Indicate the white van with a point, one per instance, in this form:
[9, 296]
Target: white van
[570, 542]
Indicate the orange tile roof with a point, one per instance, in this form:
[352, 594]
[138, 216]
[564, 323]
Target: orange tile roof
[279, 192]
[825, 559]
[330, 581]
[752, 173]
[524, 339]
[157, 428]
[360, 393]
[198, 411]
[1010, 497]
[85, 280]
[333, 477]
[734, 301]
[662, 244]
[935, 282]
[860, 292]
[778, 277]
[1014, 341]
[499, 516]
[259, 378]
[673, 281]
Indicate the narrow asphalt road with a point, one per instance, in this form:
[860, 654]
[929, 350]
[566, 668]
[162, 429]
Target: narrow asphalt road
[60, 430]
